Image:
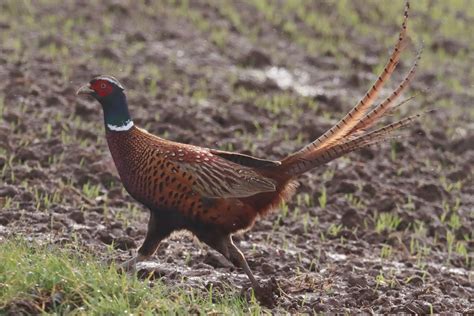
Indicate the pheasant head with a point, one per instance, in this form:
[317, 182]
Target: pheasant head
[109, 92]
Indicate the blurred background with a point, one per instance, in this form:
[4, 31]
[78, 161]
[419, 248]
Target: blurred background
[264, 78]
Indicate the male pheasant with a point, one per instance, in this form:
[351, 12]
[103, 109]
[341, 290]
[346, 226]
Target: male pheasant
[215, 193]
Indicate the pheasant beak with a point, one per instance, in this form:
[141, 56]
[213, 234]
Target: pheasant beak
[86, 89]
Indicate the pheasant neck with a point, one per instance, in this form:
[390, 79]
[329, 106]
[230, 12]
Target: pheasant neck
[116, 115]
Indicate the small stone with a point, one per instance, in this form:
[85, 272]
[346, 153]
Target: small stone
[354, 280]
[216, 261]
[105, 237]
[350, 218]
[385, 205]
[114, 194]
[36, 174]
[106, 178]
[8, 191]
[462, 145]
[346, 187]
[255, 58]
[429, 192]
[117, 7]
[367, 295]
[27, 196]
[268, 268]
[25, 154]
[83, 109]
[4, 220]
[369, 189]
[56, 100]
[154, 272]
[115, 225]
[136, 37]
[458, 175]
[78, 217]
[124, 243]
[418, 307]
[109, 53]
[415, 280]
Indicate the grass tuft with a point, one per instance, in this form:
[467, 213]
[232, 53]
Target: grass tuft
[48, 279]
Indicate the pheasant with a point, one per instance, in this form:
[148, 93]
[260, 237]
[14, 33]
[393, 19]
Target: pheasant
[214, 193]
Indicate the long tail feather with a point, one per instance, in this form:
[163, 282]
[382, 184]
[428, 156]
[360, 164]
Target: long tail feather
[346, 124]
[404, 101]
[399, 104]
[373, 116]
[323, 155]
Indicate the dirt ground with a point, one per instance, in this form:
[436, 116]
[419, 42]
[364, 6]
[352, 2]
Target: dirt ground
[388, 229]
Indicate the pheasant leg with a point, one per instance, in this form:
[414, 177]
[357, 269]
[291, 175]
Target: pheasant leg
[263, 293]
[157, 231]
[225, 245]
[238, 259]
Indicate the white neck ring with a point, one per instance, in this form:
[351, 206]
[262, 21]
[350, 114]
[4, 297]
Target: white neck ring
[128, 125]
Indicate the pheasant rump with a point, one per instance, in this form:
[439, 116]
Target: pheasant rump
[215, 193]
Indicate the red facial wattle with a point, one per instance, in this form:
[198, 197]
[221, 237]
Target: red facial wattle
[102, 87]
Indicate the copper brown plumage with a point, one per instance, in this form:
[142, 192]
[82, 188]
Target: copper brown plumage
[216, 193]
[195, 181]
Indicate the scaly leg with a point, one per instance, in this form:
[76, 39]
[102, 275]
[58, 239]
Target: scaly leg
[225, 245]
[235, 255]
[158, 229]
[237, 258]
[222, 242]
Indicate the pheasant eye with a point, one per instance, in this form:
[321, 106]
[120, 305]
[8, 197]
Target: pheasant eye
[102, 88]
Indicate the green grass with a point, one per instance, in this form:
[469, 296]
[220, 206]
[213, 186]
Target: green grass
[56, 280]
[386, 222]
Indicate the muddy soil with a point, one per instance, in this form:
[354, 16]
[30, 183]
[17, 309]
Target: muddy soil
[387, 229]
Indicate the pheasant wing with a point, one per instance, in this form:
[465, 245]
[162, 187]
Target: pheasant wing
[221, 177]
[218, 178]
[213, 176]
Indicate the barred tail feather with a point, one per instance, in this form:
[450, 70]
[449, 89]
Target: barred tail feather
[377, 112]
[351, 133]
[346, 124]
[399, 104]
[323, 155]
